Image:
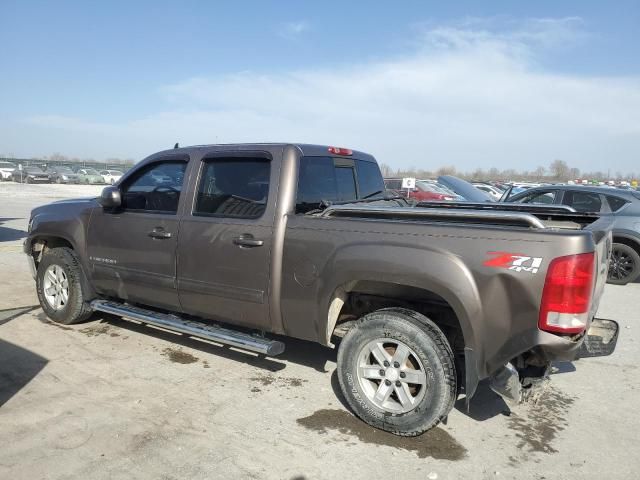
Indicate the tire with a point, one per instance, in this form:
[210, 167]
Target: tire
[430, 360]
[72, 309]
[58, 180]
[624, 266]
[27, 180]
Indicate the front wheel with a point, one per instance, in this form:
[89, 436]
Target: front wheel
[624, 266]
[397, 372]
[59, 287]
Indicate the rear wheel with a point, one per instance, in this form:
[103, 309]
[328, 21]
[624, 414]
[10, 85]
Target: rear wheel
[624, 266]
[397, 372]
[59, 286]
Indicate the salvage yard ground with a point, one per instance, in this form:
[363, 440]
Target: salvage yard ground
[114, 399]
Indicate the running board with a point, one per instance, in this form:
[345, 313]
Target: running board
[215, 333]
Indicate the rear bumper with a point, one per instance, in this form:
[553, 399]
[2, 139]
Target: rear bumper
[514, 385]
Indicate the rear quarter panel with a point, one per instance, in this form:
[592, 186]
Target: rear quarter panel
[497, 307]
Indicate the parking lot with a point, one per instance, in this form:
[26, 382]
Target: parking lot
[114, 399]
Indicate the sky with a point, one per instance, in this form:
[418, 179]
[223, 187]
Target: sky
[416, 83]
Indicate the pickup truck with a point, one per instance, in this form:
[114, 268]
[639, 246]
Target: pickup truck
[248, 244]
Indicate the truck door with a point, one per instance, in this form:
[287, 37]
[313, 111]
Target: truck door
[132, 249]
[225, 240]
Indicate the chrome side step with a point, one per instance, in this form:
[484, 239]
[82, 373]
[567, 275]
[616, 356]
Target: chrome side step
[189, 327]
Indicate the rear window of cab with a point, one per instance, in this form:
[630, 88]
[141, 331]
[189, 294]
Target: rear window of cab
[335, 179]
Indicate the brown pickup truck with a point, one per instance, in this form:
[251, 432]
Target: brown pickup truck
[236, 242]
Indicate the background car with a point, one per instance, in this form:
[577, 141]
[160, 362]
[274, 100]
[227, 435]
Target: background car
[62, 174]
[623, 205]
[111, 176]
[6, 169]
[493, 191]
[423, 191]
[30, 174]
[89, 176]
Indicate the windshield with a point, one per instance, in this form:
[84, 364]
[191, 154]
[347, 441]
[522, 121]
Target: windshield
[32, 170]
[427, 187]
[115, 172]
[63, 170]
[91, 171]
[465, 189]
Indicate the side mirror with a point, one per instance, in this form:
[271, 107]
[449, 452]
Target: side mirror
[110, 197]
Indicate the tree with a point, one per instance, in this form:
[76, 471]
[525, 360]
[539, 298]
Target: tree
[574, 173]
[386, 170]
[559, 170]
[539, 172]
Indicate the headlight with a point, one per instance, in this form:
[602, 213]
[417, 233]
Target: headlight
[29, 225]
[64, 177]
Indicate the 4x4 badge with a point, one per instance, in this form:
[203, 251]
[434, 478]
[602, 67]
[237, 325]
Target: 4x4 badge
[513, 261]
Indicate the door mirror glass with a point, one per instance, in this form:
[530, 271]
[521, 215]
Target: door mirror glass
[110, 197]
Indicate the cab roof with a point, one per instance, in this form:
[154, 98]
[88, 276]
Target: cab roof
[305, 149]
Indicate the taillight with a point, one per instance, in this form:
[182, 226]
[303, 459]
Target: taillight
[566, 298]
[340, 151]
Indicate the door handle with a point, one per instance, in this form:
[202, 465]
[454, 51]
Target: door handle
[159, 233]
[247, 240]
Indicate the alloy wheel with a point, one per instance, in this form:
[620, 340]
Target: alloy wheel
[391, 375]
[56, 287]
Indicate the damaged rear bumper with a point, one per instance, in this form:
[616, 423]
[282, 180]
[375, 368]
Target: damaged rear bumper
[600, 340]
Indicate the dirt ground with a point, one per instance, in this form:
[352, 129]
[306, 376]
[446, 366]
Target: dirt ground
[114, 399]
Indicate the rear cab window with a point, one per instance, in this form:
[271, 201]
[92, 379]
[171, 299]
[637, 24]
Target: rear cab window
[335, 179]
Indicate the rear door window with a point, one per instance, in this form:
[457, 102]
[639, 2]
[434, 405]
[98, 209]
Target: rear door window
[585, 202]
[233, 187]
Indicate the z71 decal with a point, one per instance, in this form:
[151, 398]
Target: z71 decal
[513, 261]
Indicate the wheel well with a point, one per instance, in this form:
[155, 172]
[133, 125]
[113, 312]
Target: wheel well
[627, 241]
[356, 299]
[43, 243]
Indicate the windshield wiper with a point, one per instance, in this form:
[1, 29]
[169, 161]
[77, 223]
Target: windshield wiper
[367, 199]
[372, 194]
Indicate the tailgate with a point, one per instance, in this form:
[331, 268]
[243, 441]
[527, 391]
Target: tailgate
[601, 230]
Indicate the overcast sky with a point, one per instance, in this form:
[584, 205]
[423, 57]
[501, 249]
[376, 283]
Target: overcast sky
[424, 84]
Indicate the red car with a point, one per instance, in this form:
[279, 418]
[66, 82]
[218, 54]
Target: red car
[423, 191]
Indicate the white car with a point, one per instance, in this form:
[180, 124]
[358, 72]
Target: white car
[493, 191]
[111, 176]
[6, 169]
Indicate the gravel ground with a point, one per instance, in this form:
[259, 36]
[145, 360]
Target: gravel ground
[113, 399]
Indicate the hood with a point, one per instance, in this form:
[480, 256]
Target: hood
[82, 200]
[72, 205]
[465, 189]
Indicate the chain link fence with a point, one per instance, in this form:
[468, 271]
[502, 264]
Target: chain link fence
[122, 165]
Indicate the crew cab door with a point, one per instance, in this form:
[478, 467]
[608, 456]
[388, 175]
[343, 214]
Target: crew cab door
[225, 240]
[132, 249]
